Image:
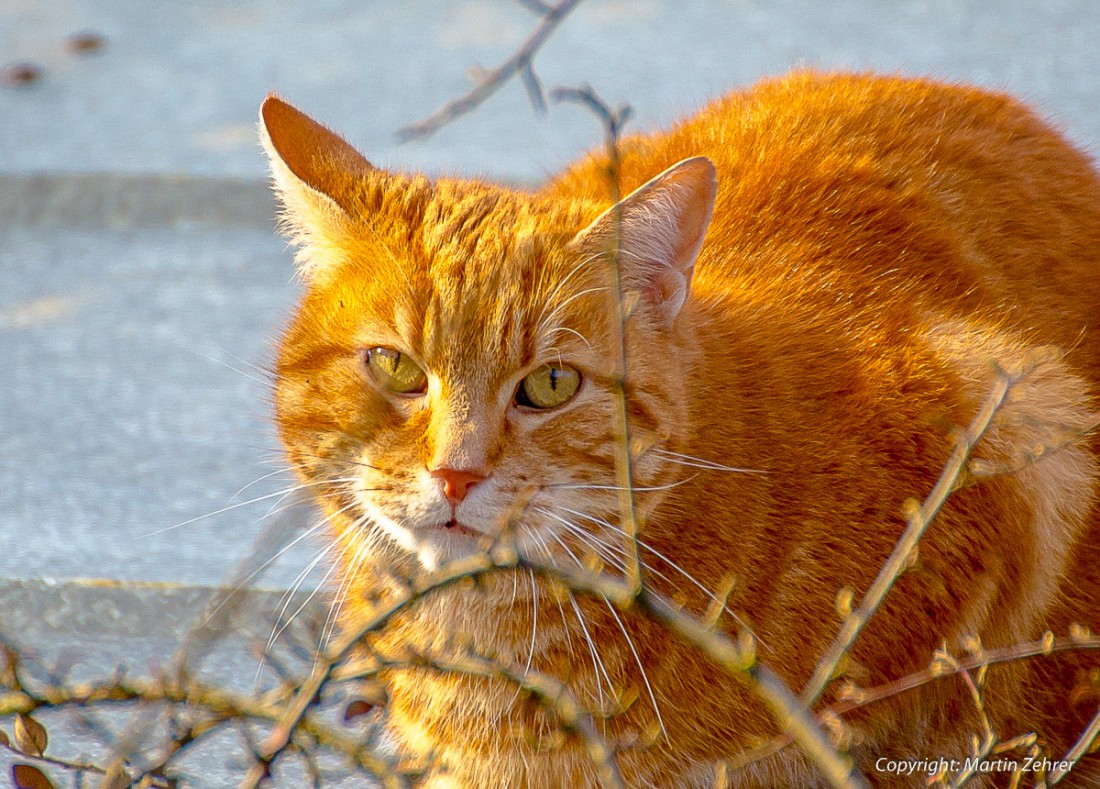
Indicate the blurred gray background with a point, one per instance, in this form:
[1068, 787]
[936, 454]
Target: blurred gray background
[141, 283]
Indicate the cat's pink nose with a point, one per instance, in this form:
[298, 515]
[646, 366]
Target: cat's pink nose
[457, 482]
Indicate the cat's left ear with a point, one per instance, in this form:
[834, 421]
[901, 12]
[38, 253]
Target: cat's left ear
[308, 161]
[660, 228]
[316, 175]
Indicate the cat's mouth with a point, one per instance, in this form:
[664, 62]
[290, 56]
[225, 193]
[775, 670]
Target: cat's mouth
[454, 527]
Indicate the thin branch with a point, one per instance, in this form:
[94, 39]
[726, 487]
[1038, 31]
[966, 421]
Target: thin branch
[853, 698]
[613, 121]
[218, 703]
[536, 6]
[309, 693]
[489, 82]
[981, 470]
[988, 742]
[740, 661]
[65, 764]
[1079, 749]
[918, 520]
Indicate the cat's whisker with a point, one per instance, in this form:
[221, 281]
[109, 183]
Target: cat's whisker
[361, 464]
[258, 480]
[266, 382]
[278, 507]
[546, 549]
[229, 508]
[280, 457]
[288, 595]
[637, 488]
[362, 551]
[264, 371]
[317, 653]
[300, 579]
[280, 626]
[614, 548]
[641, 668]
[612, 555]
[602, 549]
[669, 562]
[694, 462]
[557, 352]
[597, 662]
[540, 331]
[613, 551]
[239, 585]
[596, 544]
[349, 569]
[531, 655]
[581, 337]
[534, 619]
[562, 283]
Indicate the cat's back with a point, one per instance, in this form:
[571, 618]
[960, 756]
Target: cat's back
[866, 194]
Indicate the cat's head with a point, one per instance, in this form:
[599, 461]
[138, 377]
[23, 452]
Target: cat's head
[454, 365]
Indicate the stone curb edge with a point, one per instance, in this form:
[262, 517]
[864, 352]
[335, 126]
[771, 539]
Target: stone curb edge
[120, 201]
[48, 609]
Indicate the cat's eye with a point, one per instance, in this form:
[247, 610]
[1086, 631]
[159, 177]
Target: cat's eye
[395, 371]
[548, 387]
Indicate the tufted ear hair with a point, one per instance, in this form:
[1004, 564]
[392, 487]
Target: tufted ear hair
[658, 230]
[315, 174]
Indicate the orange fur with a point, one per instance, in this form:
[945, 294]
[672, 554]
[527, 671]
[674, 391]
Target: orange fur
[877, 245]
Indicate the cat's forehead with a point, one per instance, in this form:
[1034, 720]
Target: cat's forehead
[487, 281]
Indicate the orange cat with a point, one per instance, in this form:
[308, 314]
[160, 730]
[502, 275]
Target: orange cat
[824, 273]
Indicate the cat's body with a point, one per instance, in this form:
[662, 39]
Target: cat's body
[877, 246]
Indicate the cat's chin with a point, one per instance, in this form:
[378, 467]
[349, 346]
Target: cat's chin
[437, 545]
[434, 545]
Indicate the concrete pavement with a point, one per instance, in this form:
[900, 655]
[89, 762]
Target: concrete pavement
[141, 283]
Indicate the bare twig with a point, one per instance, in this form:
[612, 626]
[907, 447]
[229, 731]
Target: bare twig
[65, 764]
[986, 744]
[536, 6]
[919, 517]
[218, 704]
[309, 693]
[612, 121]
[981, 470]
[1080, 748]
[740, 660]
[489, 82]
[855, 698]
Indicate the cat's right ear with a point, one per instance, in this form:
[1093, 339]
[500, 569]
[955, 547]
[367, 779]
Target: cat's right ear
[658, 230]
[314, 172]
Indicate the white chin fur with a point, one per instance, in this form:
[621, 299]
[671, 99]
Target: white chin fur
[431, 550]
